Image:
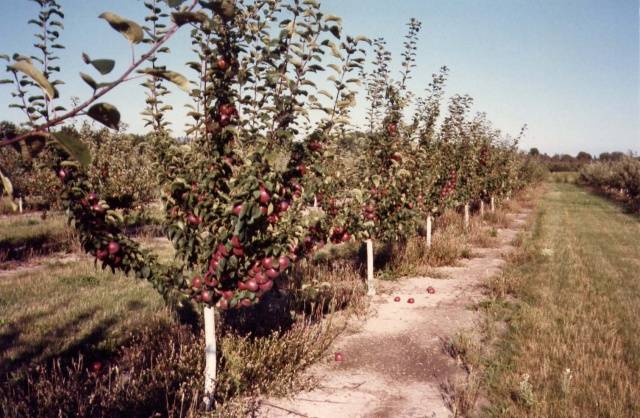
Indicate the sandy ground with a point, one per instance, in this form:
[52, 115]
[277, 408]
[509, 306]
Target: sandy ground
[394, 364]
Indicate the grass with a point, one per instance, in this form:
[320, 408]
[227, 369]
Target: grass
[563, 330]
[25, 235]
[565, 176]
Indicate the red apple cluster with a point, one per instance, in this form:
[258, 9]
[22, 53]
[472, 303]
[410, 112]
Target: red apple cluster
[450, 186]
[339, 235]
[369, 212]
[111, 254]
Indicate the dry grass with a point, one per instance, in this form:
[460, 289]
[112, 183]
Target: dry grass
[570, 300]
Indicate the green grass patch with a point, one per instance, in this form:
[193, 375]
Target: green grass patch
[570, 300]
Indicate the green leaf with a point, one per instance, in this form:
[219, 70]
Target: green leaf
[176, 78]
[104, 66]
[36, 75]
[89, 80]
[106, 114]
[128, 28]
[75, 147]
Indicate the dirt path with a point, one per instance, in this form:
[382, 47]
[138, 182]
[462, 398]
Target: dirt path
[394, 363]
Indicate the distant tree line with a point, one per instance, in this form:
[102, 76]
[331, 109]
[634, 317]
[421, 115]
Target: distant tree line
[566, 162]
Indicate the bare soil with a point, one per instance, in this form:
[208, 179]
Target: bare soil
[394, 364]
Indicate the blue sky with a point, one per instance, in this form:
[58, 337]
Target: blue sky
[567, 68]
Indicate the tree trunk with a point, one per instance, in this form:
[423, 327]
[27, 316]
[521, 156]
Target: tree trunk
[429, 220]
[210, 356]
[370, 287]
[466, 216]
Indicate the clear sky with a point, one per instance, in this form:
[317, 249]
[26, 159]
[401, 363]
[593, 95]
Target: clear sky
[567, 68]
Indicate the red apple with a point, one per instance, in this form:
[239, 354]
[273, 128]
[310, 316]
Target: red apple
[228, 109]
[196, 282]
[283, 206]
[101, 254]
[272, 273]
[237, 209]
[411, 300]
[62, 174]
[264, 196]
[206, 296]
[246, 302]
[222, 64]
[96, 366]
[346, 237]
[222, 250]
[238, 252]
[396, 299]
[315, 146]
[392, 129]
[431, 290]
[193, 219]
[261, 278]
[338, 357]
[252, 285]
[266, 286]
[113, 247]
[267, 262]
[223, 304]
[235, 241]
[227, 294]
[302, 169]
[283, 262]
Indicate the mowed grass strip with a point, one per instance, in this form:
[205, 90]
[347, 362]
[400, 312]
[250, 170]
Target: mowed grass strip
[572, 344]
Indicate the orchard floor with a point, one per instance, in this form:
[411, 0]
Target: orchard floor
[395, 363]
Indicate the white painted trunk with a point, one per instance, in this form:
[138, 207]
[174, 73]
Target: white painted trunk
[482, 208]
[371, 290]
[466, 216]
[429, 220]
[493, 204]
[210, 355]
[20, 204]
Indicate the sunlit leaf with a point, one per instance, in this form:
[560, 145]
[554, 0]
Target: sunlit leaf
[128, 28]
[176, 78]
[89, 80]
[36, 75]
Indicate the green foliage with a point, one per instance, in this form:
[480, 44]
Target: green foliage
[621, 176]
